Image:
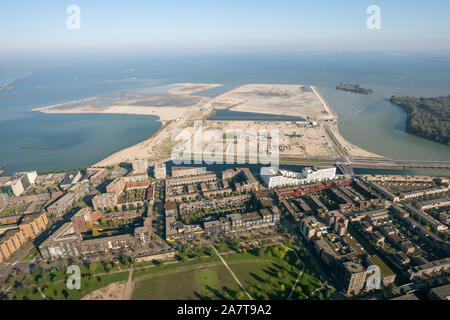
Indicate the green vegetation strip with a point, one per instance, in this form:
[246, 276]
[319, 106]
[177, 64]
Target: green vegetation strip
[266, 273]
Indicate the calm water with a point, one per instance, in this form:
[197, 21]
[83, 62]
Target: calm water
[369, 121]
[225, 114]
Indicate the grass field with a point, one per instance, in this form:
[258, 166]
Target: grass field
[205, 283]
[57, 290]
[265, 277]
[33, 253]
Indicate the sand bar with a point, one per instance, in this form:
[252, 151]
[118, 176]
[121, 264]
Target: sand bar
[307, 139]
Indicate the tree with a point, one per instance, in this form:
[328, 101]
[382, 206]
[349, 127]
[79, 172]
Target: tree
[328, 293]
[108, 267]
[88, 225]
[92, 267]
[260, 252]
[65, 293]
[240, 295]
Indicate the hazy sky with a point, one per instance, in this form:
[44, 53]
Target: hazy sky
[39, 26]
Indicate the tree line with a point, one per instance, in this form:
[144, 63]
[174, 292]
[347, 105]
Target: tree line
[427, 117]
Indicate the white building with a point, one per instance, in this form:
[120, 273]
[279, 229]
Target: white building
[313, 174]
[274, 177]
[12, 186]
[17, 184]
[31, 176]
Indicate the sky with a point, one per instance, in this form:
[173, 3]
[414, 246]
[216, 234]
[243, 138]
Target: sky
[40, 26]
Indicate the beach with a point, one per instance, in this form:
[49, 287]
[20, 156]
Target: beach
[307, 139]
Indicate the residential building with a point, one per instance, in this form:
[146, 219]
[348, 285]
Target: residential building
[79, 190]
[274, 177]
[352, 276]
[313, 174]
[440, 293]
[138, 185]
[32, 225]
[383, 191]
[429, 268]
[116, 186]
[140, 165]
[143, 235]
[4, 199]
[187, 171]
[11, 186]
[171, 209]
[237, 222]
[70, 179]
[98, 175]
[60, 206]
[159, 171]
[63, 243]
[310, 228]
[80, 219]
[105, 201]
[191, 179]
[10, 242]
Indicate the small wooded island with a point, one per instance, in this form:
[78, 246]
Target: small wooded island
[353, 87]
[427, 117]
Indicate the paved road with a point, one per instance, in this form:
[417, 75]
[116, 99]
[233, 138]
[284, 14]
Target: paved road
[300, 273]
[232, 273]
[129, 287]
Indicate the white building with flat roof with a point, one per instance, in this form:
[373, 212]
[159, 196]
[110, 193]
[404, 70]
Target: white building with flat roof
[274, 177]
[313, 174]
[31, 176]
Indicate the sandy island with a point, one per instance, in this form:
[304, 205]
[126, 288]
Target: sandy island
[164, 113]
[308, 139]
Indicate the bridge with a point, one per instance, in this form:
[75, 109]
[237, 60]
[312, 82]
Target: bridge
[399, 164]
[346, 164]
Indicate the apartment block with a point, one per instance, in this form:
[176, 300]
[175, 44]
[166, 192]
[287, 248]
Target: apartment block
[32, 225]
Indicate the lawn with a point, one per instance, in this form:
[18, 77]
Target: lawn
[33, 253]
[207, 278]
[270, 276]
[57, 289]
[194, 281]
[11, 211]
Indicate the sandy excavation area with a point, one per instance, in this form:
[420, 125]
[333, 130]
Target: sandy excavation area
[177, 109]
[295, 139]
[114, 291]
[287, 100]
[308, 139]
[190, 88]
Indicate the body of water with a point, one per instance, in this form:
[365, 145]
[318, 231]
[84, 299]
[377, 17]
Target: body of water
[369, 121]
[226, 114]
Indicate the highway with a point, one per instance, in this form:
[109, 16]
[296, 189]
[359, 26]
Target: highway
[399, 164]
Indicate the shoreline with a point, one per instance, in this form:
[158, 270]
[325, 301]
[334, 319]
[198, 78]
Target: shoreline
[260, 98]
[131, 106]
